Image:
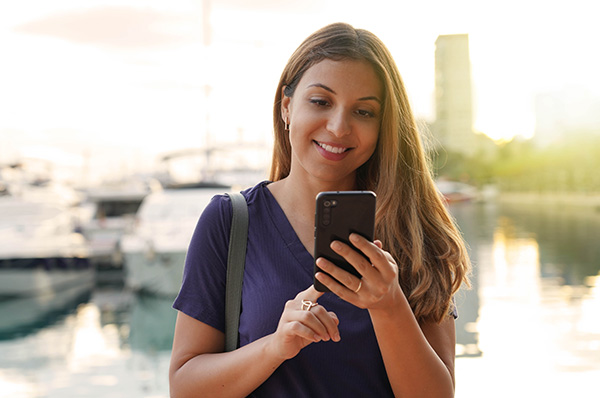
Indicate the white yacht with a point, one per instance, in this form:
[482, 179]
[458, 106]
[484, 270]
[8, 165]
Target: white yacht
[107, 213]
[40, 252]
[154, 253]
[455, 191]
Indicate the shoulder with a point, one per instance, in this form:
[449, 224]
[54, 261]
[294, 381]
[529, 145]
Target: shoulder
[256, 193]
[215, 215]
[218, 212]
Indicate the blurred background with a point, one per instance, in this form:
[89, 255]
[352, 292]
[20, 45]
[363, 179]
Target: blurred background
[119, 119]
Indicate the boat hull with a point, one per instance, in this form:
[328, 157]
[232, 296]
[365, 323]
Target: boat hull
[157, 273]
[19, 282]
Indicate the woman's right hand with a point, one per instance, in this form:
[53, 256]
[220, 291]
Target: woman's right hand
[299, 327]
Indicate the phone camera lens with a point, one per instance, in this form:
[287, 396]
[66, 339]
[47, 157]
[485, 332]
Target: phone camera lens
[326, 212]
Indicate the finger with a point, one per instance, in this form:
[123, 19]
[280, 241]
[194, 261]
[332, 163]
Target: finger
[339, 290]
[310, 294]
[364, 245]
[379, 244]
[318, 319]
[379, 260]
[304, 331]
[334, 317]
[345, 278]
[296, 312]
[354, 257]
[329, 320]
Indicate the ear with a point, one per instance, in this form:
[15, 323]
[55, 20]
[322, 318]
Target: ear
[285, 106]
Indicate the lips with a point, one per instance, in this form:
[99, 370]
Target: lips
[332, 152]
[331, 148]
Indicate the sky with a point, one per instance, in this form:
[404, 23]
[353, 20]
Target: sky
[107, 86]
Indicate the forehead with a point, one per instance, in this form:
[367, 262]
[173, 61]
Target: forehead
[346, 75]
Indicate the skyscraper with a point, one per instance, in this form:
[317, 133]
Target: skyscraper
[453, 127]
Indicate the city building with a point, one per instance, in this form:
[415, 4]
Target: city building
[453, 126]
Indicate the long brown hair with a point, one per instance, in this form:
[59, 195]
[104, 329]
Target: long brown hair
[412, 220]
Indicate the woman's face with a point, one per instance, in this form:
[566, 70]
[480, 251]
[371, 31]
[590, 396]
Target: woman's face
[334, 117]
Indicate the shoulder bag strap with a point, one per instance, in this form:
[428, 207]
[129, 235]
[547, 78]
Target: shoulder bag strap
[236, 260]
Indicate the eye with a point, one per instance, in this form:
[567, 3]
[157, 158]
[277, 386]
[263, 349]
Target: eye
[365, 113]
[319, 102]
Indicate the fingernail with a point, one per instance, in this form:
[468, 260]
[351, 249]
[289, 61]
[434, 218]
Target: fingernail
[335, 245]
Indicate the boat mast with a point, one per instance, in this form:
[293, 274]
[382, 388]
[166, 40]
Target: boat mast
[206, 41]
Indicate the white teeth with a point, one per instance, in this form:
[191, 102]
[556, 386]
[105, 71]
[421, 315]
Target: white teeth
[331, 149]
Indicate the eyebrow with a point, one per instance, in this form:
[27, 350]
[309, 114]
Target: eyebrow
[324, 87]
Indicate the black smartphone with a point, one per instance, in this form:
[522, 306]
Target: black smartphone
[337, 215]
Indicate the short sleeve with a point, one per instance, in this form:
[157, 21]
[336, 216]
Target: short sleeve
[202, 293]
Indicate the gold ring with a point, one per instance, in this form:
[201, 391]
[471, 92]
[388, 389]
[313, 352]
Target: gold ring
[307, 305]
[359, 286]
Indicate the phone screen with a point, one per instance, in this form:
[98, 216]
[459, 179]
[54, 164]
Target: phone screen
[337, 215]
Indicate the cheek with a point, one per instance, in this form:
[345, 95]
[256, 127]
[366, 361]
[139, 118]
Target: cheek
[297, 139]
[302, 127]
[371, 140]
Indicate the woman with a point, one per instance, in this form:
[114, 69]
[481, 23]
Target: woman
[342, 122]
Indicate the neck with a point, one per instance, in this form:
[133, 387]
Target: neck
[296, 197]
[301, 193]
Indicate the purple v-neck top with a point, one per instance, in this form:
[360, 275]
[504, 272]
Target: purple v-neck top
[277, 268]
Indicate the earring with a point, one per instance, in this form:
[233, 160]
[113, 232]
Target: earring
[286, 126]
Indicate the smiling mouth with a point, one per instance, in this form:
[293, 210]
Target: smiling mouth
[332, 149]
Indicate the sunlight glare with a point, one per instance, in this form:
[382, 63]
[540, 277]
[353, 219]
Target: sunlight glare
[90, 345]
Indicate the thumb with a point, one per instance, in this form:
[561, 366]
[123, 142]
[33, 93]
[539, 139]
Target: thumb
[311, 294]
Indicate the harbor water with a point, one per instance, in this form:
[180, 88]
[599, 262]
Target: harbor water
[529, 326]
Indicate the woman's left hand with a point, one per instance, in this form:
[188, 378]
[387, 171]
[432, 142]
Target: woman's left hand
[379, 286]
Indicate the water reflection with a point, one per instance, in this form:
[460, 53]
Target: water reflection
[469, 218]
[113, 343]
[24, 315]
[566, 238]
[152, 324]
[537, 291]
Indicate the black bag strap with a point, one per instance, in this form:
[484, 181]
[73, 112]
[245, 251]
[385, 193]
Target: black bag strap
[236, 260]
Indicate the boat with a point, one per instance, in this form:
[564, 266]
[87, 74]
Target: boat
[154, 252]
[455, 191]
[107, 213]
[40, 251]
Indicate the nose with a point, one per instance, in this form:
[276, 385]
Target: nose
[338, 123]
